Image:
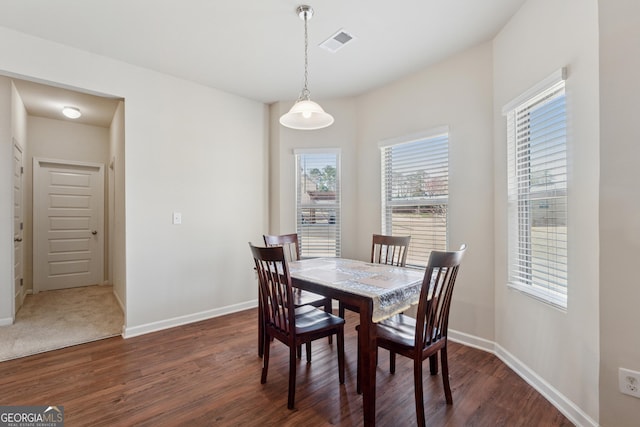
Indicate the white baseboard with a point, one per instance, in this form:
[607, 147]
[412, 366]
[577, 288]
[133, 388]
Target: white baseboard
[472, 341]
[8, 321]
[183, 320]
[557, 399]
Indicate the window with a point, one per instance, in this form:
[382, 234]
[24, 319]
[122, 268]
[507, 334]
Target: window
[415, 192]
[537, 191]
[318, 202]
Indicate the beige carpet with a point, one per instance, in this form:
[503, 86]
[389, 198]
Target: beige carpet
[56, 319]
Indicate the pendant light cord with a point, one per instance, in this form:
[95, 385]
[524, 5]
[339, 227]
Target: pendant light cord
[305, 94]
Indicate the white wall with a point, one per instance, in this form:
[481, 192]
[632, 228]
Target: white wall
[557, 349]
[18, 119]
[457, 93]
[117, 212]
[65, 140]
[189, 148]
[6, 205]
[12, 126]
[619, 206]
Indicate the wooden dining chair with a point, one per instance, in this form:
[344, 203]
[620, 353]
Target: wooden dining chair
[426, 335]
[289, 243]
[283, 321]
[390, 250]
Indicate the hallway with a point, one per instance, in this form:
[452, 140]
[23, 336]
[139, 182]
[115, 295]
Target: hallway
[61, 318]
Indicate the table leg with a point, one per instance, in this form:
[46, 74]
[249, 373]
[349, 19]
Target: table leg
[367, 347]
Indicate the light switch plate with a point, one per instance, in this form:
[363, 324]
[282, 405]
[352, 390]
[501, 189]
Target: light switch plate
[177, 218]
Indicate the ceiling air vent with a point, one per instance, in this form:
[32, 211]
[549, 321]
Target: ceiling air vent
[337, 41]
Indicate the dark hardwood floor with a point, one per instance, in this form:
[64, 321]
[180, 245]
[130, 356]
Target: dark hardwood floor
[208, 373]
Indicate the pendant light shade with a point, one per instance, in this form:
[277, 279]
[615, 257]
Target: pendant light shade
[306, 114]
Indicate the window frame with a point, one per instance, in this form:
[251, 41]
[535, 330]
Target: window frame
[430, 135]
[336, 220]
[518, 217]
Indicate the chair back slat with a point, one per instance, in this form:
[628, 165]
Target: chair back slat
[391, 250]
[289, 243]
[432, 320]
[275, 289]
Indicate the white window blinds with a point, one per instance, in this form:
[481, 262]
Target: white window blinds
[318, 203]
[415, 193]
[537, 194]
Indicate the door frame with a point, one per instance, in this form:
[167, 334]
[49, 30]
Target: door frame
[19, 234]
[39, 264]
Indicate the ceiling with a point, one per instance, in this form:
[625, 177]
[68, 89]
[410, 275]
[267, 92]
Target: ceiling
[47, 101]
[255, 48]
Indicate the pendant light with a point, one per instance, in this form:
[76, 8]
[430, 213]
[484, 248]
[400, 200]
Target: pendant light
[306, 114]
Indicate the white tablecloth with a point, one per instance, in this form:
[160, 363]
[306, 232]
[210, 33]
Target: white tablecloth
[392, 289]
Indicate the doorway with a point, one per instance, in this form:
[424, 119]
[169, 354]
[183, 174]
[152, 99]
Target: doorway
[67, 199]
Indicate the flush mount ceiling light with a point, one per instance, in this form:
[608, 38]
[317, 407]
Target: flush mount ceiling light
[71, 112]
[306, 114]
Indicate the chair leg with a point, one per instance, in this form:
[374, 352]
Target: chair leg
[292, 378]
[261, 334]
[329, 309]
[299, 349]
[308, 348]
[392, 362]
[340, 337]
[265, 360]
[341, 310]
[417, 383]
[445, 375]
[433, 364]
[260, 337]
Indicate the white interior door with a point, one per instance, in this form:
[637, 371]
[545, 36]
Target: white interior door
[18, 226]
[68, 224]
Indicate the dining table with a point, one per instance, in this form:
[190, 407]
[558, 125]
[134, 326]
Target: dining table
[378, 290]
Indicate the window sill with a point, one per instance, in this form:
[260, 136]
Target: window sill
[553, 299]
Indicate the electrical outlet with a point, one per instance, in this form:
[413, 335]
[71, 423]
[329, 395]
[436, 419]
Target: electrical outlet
[629, 382]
